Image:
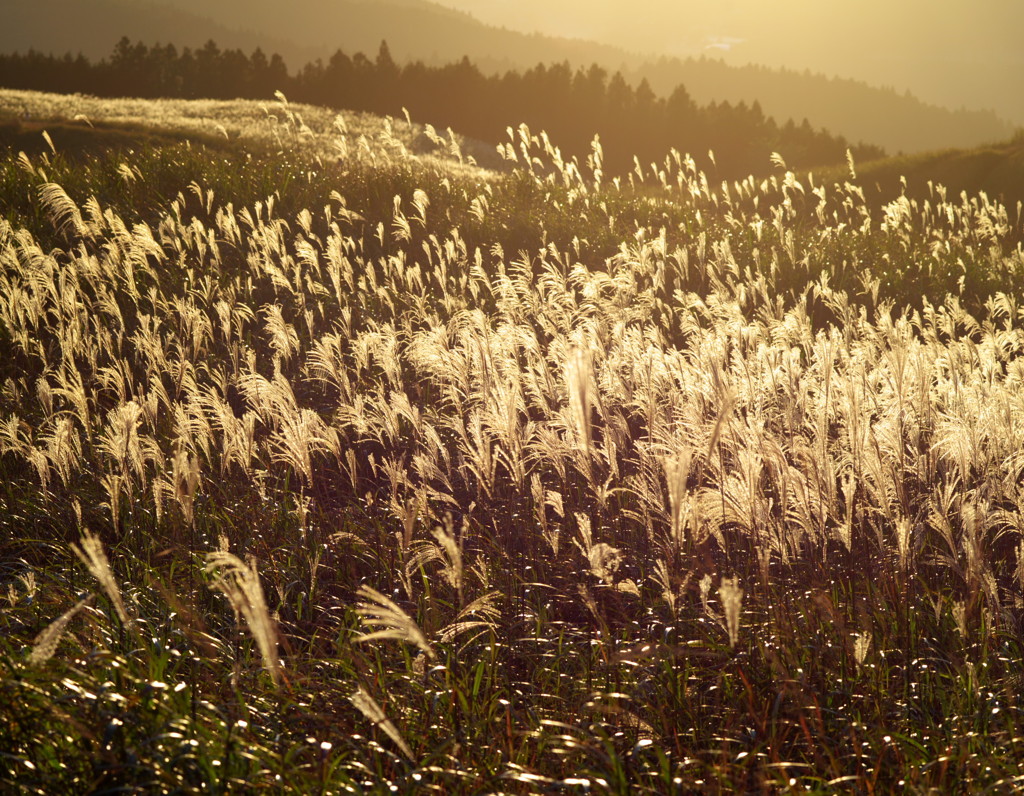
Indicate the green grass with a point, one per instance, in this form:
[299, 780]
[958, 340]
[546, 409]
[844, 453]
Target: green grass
[549, 418]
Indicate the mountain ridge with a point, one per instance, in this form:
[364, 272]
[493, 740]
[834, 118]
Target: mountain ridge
[427, 31]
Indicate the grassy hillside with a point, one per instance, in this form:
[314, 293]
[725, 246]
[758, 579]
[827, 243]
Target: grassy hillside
[997, 170]
[237, 125]
[411, 476]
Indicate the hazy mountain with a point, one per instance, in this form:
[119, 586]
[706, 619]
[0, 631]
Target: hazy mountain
[93, 27]
[896, 120]
[414, 29]
[302, 30]
[950, 52]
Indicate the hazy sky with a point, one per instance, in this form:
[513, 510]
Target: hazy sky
[951, 52]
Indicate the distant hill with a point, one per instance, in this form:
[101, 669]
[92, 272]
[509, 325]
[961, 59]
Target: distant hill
[898, 121]
[946, 52]
[421, 30]
[93, 27]
[996, 170]
[310, 29]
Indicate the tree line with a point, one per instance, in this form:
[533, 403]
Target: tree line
[572, 105]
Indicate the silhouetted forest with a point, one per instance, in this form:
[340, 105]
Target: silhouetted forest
[571, 105]
[435, 34]
[895, 120]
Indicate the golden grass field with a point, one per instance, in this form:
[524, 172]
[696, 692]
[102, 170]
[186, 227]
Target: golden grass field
[412, 475]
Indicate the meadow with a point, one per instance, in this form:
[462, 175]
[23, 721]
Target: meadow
[333, 462]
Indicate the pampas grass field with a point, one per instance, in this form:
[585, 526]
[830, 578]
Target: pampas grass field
[329, 467]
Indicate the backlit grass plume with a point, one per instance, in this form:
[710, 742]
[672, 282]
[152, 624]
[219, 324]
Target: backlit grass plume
[373, 712]
[90, 552]
[45, 644]
[240, 583]
[377, 610]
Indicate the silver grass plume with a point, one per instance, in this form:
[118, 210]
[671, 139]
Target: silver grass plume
[605, 561]
[368, 706]
[861, 646]
[478, 615]
[705, 590]
[579, 381]
[376, 610]
[451, 555]
[45, 643]
[64, 214]
[677, 473]
[240, 583]
[731, 596]
[90, 552]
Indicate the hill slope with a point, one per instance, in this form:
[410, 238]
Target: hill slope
[996, 170]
